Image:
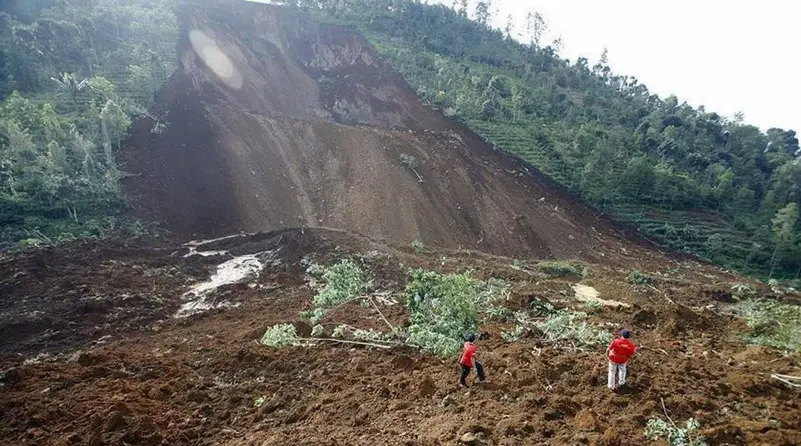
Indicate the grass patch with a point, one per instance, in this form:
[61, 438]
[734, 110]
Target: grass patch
[772, 324]
[559, 268]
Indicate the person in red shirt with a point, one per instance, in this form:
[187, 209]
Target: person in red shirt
[468, 360]
[619, 352]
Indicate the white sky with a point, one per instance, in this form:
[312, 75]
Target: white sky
[736, 55]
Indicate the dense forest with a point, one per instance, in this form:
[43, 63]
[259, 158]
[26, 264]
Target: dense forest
[73, 74]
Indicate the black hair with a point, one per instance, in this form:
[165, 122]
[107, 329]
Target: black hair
[471, 337]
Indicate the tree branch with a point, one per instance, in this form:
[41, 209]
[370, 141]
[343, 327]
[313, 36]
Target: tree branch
[375, 305]
[343, 341]
[666, 414]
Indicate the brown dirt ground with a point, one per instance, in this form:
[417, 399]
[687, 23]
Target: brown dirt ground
[313, 138]
[91, 356]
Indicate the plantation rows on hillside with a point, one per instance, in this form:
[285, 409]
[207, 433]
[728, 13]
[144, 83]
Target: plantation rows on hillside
[599, 134]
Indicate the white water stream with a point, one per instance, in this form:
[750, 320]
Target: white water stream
[232, 271]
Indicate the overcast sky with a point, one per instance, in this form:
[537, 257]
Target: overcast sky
[726, 55]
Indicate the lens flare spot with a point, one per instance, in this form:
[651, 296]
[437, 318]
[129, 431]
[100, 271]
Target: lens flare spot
[214, 58]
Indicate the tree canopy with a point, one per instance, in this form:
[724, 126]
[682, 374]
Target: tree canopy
[73, 74]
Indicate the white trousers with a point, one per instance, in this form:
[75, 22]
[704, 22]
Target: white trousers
[618, 370]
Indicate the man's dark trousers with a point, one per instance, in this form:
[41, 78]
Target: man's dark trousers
[466, 371]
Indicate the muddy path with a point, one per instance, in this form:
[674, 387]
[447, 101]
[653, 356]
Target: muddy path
[131, 372]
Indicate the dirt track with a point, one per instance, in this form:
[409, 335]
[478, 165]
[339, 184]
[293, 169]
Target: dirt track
[308, 130]
[123, 371]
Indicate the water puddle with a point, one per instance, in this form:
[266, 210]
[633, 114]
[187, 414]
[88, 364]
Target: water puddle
[589, 295]
[232, 271]
[194, 252]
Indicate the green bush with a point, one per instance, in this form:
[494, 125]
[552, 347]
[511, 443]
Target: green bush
[558, 268]
[772, 324]
[444, 307]
[345, 281]
[571, 327]
[314, 316]
[280, 335]
[636, 277]
[658, 428]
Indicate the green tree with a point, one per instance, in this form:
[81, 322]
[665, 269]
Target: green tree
[483, 13]
[784, 232]
[72, 85]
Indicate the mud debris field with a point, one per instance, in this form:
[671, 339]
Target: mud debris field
[93, 354]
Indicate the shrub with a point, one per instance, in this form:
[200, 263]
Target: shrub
[658, 428]
[409, 161]
[315, 269]
[314, 316]
[514, 335]
[443, 307]
[418, 247]
[344, 281]
[280, 336]
[559, 268]
[636, 277]
[772, 324]
[569, 326]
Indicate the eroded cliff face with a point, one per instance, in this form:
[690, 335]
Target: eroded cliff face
[278, 121]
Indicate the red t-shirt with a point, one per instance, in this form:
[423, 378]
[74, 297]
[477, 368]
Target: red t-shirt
[621, 350]
[468, 354]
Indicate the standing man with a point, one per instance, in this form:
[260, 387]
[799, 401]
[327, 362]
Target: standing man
[468, 360]
[620, 351]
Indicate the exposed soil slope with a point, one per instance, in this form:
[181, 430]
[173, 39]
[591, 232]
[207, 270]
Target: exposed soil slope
[113, 367]
[293, 123]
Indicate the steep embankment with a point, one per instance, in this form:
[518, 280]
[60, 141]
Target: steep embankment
[278, 121]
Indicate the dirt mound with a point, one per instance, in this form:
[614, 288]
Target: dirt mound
[276, 121]
[133, 373]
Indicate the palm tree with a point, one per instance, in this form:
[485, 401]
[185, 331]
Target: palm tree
[69, 83]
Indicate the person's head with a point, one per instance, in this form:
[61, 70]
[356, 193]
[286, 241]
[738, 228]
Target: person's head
[625, 333]
[471, 338]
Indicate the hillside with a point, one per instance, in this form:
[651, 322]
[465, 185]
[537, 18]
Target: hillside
[600, 134]
[78, 78]
[310, 129]
[355, 236]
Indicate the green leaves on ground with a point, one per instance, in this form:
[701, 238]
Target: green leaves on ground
[444, 307]
[280, 336]
[772, 324]
[344, 281]
[571, 327]
[559, 268]
[658, 428]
